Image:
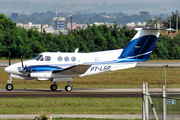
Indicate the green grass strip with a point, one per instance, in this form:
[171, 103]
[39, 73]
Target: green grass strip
[66, 105]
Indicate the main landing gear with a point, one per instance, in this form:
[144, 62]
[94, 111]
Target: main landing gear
[53, 87]
[9, 86]
[68, 87]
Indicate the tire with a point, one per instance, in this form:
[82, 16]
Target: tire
[9, 87]
[68, 88]
[53, 87]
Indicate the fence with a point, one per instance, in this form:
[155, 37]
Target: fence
[160, 107]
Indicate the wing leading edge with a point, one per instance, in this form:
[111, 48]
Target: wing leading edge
[73, 70]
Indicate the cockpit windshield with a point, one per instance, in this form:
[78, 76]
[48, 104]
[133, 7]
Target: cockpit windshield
[37, 57]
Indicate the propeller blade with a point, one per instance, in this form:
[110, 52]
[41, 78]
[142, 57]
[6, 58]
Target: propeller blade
[22, 62]
[9, 59]
[24, 68]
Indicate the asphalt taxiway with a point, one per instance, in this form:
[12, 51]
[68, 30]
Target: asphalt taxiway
[119, 92]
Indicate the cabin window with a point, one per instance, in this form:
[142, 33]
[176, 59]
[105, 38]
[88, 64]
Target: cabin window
[73, 59]
[60, 58]
[47, 58]
[66, 59]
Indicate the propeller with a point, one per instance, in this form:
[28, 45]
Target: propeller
[9, 59]
[24, 68]
[22, 62]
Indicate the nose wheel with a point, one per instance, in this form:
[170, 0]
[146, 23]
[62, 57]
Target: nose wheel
[9, 87]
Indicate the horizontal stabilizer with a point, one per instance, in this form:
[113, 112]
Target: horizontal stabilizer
[73, 70]
[155, 29]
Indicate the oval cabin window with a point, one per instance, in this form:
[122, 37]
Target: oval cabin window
[60, 58]
[73, 59]
[66, 59]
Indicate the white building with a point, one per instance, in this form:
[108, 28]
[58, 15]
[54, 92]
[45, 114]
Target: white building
[28, 26]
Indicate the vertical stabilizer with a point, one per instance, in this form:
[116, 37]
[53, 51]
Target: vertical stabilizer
[141, 45]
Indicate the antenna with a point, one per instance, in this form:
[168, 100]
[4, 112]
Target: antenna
[56, 10]
[76, 50]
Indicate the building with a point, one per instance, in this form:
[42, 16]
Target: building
[59, 23]
[29, 26]
[133, 25]
[74, 26]
[35, 26]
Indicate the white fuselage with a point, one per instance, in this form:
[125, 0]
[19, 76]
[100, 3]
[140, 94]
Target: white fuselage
[67, 59]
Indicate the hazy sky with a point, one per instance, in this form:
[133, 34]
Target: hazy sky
[66, 2]
[151, 6]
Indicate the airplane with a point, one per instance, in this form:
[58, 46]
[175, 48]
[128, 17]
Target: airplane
[64, 66]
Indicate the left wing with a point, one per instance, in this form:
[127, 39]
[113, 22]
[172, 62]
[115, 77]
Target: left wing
[73, 70]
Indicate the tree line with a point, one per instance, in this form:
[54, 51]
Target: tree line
[17, 41]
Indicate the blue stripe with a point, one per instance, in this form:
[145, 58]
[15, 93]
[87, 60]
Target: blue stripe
[139, 46]
[41, 68]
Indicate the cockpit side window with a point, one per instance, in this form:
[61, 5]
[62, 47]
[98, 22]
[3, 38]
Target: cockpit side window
[38, 57]
[47, 58]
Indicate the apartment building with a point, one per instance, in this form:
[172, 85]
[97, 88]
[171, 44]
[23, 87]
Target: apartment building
[59, 23]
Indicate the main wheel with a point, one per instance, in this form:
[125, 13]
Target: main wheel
[53, 87]
[9, 87]
[68, 88]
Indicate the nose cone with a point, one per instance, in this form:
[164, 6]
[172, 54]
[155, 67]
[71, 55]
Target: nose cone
[8, 69]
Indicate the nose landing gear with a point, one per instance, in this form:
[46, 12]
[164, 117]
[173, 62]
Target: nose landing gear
[9, 86]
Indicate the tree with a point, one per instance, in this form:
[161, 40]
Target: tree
[6, 23]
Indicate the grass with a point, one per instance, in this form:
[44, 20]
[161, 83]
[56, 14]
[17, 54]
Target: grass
[127, 78]
[74, 105]
[163, 61]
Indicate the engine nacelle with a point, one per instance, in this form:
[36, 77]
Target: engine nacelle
[61, 79]
[40, 74]
[21, 77]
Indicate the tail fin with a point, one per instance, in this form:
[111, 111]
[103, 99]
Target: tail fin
[141, 45]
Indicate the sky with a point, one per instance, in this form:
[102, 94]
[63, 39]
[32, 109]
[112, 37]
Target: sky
[67, 2]
[131, 7]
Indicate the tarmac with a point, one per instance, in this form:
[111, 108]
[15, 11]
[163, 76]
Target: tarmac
[27, 116]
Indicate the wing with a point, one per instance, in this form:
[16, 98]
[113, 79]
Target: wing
[73, 70]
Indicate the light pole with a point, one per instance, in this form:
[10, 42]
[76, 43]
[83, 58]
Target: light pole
[170, 22]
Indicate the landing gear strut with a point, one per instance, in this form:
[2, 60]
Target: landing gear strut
[9, 86]
[53, 87]
[68, 87]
